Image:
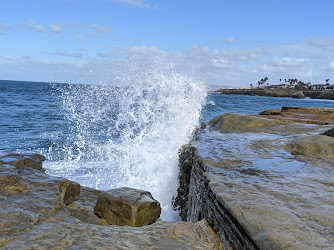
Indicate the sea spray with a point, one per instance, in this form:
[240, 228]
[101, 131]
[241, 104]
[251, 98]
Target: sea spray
[127, 123]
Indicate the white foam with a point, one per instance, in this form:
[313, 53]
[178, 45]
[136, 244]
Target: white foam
[127, 131]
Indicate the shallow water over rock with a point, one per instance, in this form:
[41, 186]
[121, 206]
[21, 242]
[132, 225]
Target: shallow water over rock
[254, 192]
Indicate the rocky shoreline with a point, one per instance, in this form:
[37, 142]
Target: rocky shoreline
[294, 93]
[262, 181]
[246, 182]
[39, 211]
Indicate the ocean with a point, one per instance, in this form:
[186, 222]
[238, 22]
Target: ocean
[126, 133]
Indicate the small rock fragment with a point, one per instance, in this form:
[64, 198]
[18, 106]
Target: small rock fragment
[70, 191]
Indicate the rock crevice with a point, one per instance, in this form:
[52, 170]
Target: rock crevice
[196, 201]
[259, 180]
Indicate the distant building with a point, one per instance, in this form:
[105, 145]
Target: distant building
[283, 86]
[318, 87]
[280, 86]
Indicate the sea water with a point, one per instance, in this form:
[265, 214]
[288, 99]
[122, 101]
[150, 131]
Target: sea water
[122, 126]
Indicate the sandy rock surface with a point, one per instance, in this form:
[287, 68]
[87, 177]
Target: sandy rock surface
[271, 176]
[39, 211]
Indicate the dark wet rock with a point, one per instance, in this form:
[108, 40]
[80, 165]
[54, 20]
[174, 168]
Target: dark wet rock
[69, 191]
[128, 206]
[196, 201]
[326, 95]
[39, 211]
[249, 187]
[316, 146]
[271, 112]
[24, 161]
[186, 161]
[329, 132]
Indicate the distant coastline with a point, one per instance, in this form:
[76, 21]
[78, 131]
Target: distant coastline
[294, 93]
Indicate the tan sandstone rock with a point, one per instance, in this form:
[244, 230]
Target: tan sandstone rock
[128, 206]
[316, 146]
[39, 211]
[257, 195]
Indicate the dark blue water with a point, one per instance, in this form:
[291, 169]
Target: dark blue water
[218, 104]
[32, 115]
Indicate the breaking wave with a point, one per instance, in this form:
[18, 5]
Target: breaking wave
[127, 122]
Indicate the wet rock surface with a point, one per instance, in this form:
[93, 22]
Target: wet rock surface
[128, 206]
[263, 181]
[39, 211]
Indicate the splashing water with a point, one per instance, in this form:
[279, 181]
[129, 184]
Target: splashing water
[127, 126]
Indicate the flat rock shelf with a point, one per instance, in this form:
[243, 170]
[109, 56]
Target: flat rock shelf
[39, 211]
[263, 181]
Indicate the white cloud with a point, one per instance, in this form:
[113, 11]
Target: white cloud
[56, 28]
[66, 53]
[135, 3]
[38, 69]
[230, 40]
[221, 63]
[39, 28]
[101, 28]
[288, 61]
[331, 66]
[223, 67]
[69, 54]
[287, 67]
[321, 41]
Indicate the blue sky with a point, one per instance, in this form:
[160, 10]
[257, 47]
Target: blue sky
[230, 42]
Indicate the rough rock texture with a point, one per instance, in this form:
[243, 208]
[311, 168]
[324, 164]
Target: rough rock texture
[256, 194]
[69, 191]
[199, 201]
[128, 206]
[321, 146]
[235, 122]
[298, 95]
[34, 215]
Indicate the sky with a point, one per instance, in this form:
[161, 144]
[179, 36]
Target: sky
[229, 43]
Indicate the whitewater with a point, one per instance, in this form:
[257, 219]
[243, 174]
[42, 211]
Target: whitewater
[127, 121]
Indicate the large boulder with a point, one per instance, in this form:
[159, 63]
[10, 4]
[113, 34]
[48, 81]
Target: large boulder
[128, 206]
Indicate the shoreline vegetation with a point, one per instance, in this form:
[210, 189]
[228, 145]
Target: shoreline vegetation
[293, 93]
